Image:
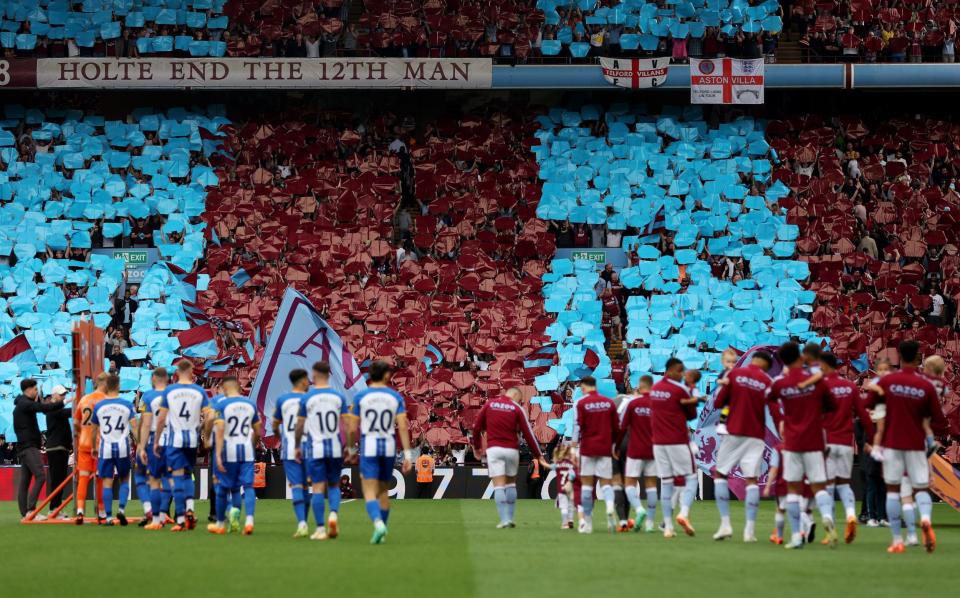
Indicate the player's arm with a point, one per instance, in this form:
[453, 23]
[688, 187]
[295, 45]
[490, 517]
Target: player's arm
[531, 439]
[143, 435]
[938, 422]
[256, 430]
[575, 434]
[624, 427]
[218, 450]
[298, 434]
[161, 426]
[869, 430]
[813, 379]
[723, 394]
[773, 405]
[478, 427]
[404, 430]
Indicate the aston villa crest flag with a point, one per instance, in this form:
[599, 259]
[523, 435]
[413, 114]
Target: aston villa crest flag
[635, 72]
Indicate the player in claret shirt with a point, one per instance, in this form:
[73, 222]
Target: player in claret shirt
[838, 425]
[801, 427]
[744, 393]
[671, 407]
[911, 399]
[595, 428]
[640, 466]
[502, 420]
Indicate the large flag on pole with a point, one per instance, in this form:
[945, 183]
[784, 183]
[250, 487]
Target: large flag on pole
[300, 338]
[726, 81]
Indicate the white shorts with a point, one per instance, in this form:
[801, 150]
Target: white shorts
[839, 462]
[745, 451]
[596, 467]
[640, 468]
[502, 461]
[807, 464]
[912, 464]
[673, 460]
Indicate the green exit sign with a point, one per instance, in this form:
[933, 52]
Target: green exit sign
[599, 257]
[132, 257]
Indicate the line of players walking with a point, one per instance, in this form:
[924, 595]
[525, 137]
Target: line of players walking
[813, 409]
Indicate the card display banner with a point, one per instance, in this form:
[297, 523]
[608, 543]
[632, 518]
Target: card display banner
[726, 81]
[636, 73]
[300, 338]
[247, 73]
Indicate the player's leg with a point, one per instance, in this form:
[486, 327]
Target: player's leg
[123, 466]
[750, 464]
[779, 520]
[587, 483]
[245, 481]
[815, 471]
[372, 470]
[604, 472]
[909, 511]
[665, 470]
[728, 456]
[633, 471]
[220, 508]
[893, 471]
[793, 475]
[296, 478]
[334, 466]
[318, 504]
[168, 506]
[650, 490]
[189, 487]
[141, 481]
[918, 471]
[497, 470]
[687, 468]
[85, 466]
[511, 467]
[105, 471]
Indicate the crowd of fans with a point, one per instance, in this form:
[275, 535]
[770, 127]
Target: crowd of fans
[860, 31]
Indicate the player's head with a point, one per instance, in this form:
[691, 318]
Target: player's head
[514, 394]
[111, 385]
[28, 387]
[882, 366]
[828, 362]
[728, 359]
[674, 369]
[380, 372]
[762, 360]
[691, 377]
[100, 382]
[934, 366]
[321, 372]
[909, 353]
[588, 384]
[159, 377]
[645, 383]
[299, 379]
[811, 353]
[789, 354]
[185, 371]
[230, 386]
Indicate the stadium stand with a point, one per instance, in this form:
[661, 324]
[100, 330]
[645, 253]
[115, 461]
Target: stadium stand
[75, 182]
[462, 268]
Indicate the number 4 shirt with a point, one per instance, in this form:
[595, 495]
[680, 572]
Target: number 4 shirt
[286, 412]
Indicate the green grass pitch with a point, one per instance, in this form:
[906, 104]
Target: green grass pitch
[450, 548]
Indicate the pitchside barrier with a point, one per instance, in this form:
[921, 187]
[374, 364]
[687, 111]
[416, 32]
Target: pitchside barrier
[448, 482]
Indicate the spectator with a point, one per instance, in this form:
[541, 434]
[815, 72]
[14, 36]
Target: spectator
[937, 317]
[59, 445]
[29, 441]
[124, 308]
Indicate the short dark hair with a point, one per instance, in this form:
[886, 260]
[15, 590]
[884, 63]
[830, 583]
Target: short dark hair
[184, 366]
[379, 370]
[645, 379]
[322, 368]
[26, 384]
[112, 383]
[789, 352]
[909, 351]
[830, 359]
[764, 356]
[297, 375]
[161, 373]
[812, 349]
[672, 362]
[589, 381]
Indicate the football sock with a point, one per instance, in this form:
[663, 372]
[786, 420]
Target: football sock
[249, 500]
[793, 512]
[188, 490]
[752, 504]
[82, 486]
[221, 504]
[179, 497]
[779, 520]
[155, 500]
[108, 501]
[689, 494]
[893, 514]
[511, 494]
[607, 493]
[124, 495]
[586, 500]
[334, 496]
[373, 510]
[298, 507]
[235, 499]
[500, 498]
[666, 502]
[385, 515]
[848, 500]
[824, 505]
[317, 502]
[924, 505]
[633, 497]
[620, 501]
[721, 491]
[909, 517]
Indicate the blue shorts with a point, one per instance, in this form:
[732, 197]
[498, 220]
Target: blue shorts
[377, 468]
[157, 466]
[325, 470]
[237, 475]
[107, 467]
[296, 472]
[181, 458]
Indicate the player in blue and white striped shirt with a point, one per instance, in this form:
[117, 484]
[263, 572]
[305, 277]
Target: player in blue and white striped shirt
[321, 411]
[285, 417]
[157, 473]
[376, 411]
[179, 418]
[114, 419]
[237, 429]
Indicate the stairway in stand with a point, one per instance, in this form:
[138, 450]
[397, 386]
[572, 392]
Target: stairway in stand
[789, 52]
[616, 351]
